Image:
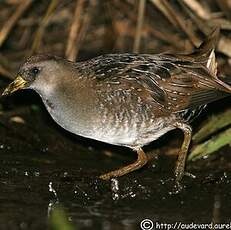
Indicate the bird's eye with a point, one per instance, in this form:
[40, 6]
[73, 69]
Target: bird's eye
[34, 71]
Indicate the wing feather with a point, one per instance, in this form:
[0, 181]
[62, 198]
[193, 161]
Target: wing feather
[174, 83]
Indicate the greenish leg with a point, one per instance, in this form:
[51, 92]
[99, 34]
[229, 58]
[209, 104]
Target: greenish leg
[180, 164]
[140, 162]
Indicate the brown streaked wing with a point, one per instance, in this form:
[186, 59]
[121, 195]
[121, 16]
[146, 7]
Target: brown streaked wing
[139, 73]
[191, 86]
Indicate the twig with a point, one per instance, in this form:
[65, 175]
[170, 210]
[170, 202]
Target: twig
[224, 45]
[40, 31]
[71, 50]
[160, 6]
[139, 25]
[187, 28]
[176, 18]
[197, 8]
[5, 73]
[201, 24]
[168, 37]
[6, 29]
[223, 23]
[225, 6]
[84, 27]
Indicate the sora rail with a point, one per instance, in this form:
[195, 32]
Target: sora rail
[126, 99]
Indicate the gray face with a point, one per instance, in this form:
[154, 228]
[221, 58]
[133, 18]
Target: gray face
[39, 75]
[36, 73]
[30, 72]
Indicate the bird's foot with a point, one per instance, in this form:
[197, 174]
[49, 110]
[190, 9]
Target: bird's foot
[139, 163]
[178, 186]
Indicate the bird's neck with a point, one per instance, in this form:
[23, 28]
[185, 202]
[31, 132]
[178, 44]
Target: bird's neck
[71, 105]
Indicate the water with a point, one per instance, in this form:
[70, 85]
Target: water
[42, 167]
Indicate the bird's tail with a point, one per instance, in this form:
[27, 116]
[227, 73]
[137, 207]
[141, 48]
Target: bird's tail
[205, 52]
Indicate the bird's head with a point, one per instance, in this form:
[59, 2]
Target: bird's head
[37, 71]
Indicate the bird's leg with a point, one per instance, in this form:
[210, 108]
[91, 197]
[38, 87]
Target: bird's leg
[180, 164]
[140, 162]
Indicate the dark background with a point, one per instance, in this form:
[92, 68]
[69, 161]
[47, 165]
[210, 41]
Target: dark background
[43, 166]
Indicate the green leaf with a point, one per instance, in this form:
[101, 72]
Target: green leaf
[214, 124]
[210, 146]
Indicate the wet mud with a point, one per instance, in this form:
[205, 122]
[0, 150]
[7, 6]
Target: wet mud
[43, 166]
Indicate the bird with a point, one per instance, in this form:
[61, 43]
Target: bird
[127, 99]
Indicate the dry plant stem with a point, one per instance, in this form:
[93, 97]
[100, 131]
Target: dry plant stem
[71, 50]
[224, 24]
[186, 27]
[225, 7]
[177, 19]
[198, 9]
[7, 27]
[168, 37]
[205, 21]
[201, 24]
[5, 73]
[160, 6]
[224, 45]
[40, 31]
[84, 27]
[139, 25]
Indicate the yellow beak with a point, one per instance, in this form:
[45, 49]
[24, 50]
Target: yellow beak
[17, 84]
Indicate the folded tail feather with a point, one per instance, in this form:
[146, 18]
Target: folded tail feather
[206, 86]
[205, 52]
